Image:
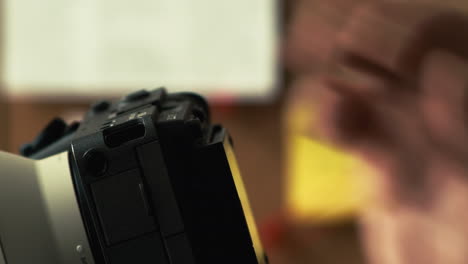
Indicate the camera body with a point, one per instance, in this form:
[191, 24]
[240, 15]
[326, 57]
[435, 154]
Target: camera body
[148, 179]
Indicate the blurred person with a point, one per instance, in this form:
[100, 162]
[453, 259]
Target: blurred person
[390, 80]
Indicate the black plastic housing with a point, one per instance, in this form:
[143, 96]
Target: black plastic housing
[155, 184]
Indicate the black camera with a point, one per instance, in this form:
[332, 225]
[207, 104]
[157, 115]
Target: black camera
[146, 179]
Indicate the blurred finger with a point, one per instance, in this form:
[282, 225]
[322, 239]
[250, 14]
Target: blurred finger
[444, 80]
[312, 31]
[394, 37]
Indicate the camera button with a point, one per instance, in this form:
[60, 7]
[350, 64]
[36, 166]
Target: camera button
[100, 106]
[95, 163]
[138, 95]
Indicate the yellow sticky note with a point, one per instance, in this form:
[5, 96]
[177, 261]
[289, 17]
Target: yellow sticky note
[323, 183]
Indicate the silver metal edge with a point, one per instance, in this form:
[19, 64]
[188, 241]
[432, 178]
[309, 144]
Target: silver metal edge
[40, 221]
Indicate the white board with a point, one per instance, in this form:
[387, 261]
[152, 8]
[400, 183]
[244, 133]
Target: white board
[110, 47]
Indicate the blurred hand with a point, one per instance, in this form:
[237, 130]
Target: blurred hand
[391, 84]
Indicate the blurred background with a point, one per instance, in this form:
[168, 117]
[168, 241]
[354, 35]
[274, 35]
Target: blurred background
[59, 56]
